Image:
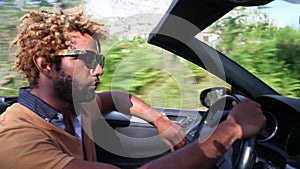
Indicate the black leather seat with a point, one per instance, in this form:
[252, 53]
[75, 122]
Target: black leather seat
[6, 102]
[3, 107]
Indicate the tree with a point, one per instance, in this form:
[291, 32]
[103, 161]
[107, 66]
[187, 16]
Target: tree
[158, 77]
[264, 49]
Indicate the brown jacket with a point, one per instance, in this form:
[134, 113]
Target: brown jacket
[28, 141]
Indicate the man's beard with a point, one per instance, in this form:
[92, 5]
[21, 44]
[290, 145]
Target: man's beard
[70, 90]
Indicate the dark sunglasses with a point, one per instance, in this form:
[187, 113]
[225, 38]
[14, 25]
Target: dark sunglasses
[90, 58]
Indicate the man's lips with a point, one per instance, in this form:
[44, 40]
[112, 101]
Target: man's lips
[95, 84]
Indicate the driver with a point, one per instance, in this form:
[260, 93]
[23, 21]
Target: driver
[50, 127]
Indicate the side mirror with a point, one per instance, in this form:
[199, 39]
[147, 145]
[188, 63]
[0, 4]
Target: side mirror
[211, 95]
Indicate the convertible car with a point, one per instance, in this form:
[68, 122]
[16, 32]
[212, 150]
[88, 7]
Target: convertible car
[131, 142]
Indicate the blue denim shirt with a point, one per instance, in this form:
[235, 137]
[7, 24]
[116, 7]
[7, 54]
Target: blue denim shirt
[42, 109]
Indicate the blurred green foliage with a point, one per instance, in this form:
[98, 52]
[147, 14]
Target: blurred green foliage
[270, 52]
[158, 77]
[161, 78]
[10, 12]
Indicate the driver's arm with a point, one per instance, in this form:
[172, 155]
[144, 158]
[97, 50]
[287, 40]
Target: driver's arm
[172, 134]
[195, 155]
[245, 120]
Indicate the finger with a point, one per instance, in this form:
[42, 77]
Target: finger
[180, 140]
[246, 100]
[180, 144]
[169, 144]
[258, 105]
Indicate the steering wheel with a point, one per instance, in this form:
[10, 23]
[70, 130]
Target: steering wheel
[242, 155]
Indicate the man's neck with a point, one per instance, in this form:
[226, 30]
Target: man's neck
[64, 107]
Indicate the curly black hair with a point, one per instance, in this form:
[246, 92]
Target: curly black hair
[43, 33]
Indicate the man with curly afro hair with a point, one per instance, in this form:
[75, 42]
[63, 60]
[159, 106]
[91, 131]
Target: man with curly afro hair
[50, 126]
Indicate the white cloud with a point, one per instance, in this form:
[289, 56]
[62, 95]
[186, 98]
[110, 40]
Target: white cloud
[125, 8]
[128, 18]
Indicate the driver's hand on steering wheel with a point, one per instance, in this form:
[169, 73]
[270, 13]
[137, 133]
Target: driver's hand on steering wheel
[171, 133]
[248, 116]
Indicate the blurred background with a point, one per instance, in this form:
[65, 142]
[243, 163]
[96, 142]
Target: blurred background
[10, 12]
[161, 78]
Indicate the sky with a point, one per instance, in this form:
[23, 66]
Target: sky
[125, 8]
[284, 13]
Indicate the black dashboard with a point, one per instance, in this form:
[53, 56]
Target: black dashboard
[278, 143]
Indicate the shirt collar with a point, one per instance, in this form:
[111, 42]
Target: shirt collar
[36, 105]
[42, 109]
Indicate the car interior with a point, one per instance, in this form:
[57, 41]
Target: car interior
[130, 142]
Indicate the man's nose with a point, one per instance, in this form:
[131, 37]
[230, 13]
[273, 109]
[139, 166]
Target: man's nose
[98, 70]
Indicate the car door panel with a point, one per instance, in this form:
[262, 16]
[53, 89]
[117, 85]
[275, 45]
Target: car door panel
[130, 141]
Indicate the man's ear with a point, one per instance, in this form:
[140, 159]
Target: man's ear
[42, 65]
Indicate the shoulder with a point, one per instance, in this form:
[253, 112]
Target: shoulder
[24, 133]
[18, 114]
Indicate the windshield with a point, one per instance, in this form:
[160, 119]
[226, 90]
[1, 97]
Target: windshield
[265, 40]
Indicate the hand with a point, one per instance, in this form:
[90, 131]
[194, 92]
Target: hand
[248, 116]
[172, 134]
